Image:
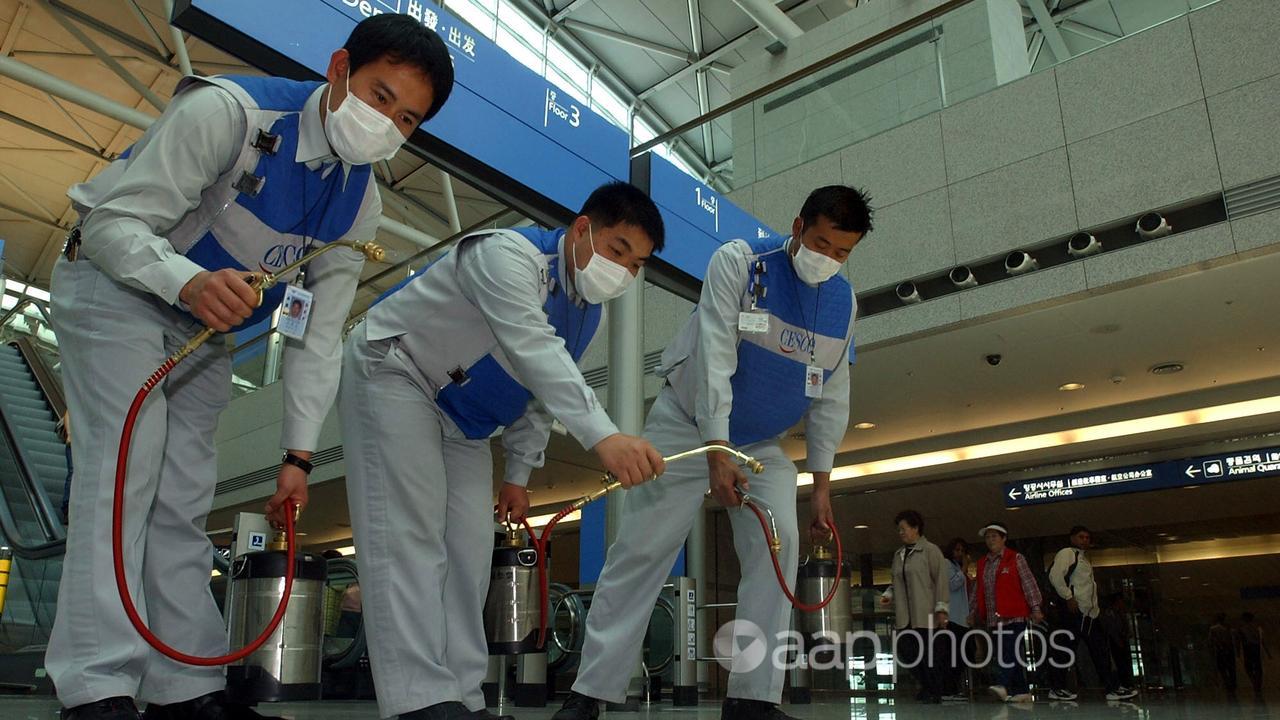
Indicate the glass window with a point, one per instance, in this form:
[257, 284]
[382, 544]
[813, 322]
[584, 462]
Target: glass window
[481, 14]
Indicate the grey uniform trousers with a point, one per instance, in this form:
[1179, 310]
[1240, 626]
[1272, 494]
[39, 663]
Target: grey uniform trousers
[656, 519]
[111, 338]
[421, 498]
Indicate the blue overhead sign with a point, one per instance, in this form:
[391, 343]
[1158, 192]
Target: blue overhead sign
[505, 127]
[500, 113]
[698, 219]
[1202, 470]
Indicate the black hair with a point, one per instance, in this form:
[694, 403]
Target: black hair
[331, 554]
[912, 517]
[1078, 529]
[951, 546]
[401, 39]
[848, 209]
[620, 203]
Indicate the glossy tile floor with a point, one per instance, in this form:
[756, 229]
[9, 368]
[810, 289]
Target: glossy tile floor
[1208, 707]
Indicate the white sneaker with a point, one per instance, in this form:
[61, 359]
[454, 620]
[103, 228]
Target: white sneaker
[1021, 698]
[1122, 694]
[999, 692]
[1062, 695]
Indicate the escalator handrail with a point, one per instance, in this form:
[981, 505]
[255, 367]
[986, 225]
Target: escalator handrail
[46, 513]
[45, 379]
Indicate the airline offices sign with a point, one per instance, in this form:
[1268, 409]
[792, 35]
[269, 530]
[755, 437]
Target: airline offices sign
[1201, 470]
[503, 122]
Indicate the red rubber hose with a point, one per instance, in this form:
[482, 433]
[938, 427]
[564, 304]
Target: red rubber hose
[117, 547]
[540, 544]
[782, 581]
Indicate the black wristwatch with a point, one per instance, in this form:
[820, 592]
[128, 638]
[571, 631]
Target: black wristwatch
[305, 466]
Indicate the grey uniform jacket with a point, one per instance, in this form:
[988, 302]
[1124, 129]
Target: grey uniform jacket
[486, 297]
[127, 209]
[702, 359]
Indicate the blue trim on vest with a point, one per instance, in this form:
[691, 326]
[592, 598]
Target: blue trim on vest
[768, 387]
[273, 93]
[294, 200]
[491, 398]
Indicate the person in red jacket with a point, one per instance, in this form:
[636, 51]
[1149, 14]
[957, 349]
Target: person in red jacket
[1007, 597]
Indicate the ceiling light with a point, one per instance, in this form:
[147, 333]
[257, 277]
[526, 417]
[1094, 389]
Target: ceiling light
[1071, 386]
[962, 277]
[1168, 368]
[541, 520]
[1153, 225]
[864, 426]
[859, 527]
[1031, 443]
[1185, 577]
[1082, 244]
[1020, 262]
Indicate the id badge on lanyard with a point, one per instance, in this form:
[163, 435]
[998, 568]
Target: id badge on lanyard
[813, 380]
[295, 311]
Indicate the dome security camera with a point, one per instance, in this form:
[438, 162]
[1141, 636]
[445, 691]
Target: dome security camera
[994, 359]
[908, 293]
[1082, 244]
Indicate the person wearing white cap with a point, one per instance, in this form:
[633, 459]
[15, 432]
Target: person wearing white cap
[1007, 597]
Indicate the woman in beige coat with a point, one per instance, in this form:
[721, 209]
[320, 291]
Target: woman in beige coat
[920, 596]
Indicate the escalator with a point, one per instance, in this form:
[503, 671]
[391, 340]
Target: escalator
[33, 469]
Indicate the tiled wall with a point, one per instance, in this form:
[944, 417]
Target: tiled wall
[1163, 117]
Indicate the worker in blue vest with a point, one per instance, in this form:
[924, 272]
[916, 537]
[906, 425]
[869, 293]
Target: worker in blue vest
[486, 338]
[768, 345]
[239, 175]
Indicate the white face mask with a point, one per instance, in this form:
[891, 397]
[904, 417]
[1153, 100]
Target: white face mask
[814, 268]
[602, 279]
[359, 134]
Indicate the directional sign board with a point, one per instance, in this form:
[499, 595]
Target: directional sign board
[505, 129]
[1226, 467]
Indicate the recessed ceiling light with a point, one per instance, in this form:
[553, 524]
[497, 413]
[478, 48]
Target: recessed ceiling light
[1185, 577]
[859, 527]
[864, 426]
[1171, 537]
[1168, 368]
[872, 490]
[1071, 386]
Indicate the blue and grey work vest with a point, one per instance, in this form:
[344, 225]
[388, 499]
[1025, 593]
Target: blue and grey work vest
[268, 210]
[806, 325]
[450, 342]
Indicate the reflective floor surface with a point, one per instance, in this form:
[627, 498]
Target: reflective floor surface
[1149, 708]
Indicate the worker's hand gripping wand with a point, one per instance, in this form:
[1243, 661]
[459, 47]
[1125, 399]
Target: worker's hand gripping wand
[261, 283]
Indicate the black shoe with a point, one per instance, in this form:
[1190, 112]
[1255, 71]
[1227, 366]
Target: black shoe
[484, 714]
[116, 708]
[578, 707]
[214, 706]
[739, 709]
[440, 711]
